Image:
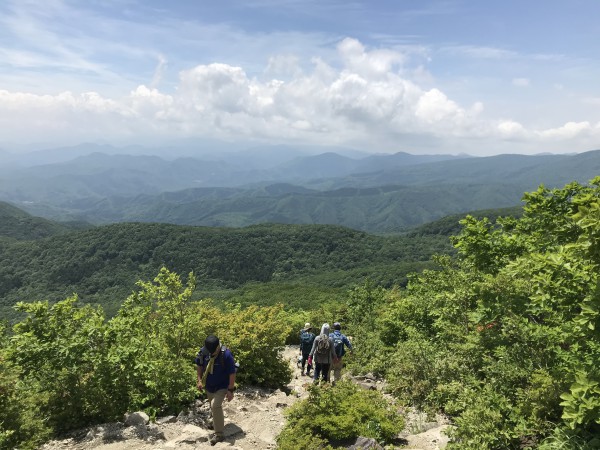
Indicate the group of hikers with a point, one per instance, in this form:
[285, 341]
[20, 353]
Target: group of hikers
[216, 368]
[325, 351]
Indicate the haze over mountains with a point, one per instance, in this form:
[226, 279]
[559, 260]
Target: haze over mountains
[375, 193]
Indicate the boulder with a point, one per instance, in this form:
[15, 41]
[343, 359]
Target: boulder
[363, 443]
[166, 419]
[136, 418]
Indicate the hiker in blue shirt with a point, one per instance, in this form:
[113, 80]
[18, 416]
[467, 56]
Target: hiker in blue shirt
[340, 341]
[216, 373]
[306, 342]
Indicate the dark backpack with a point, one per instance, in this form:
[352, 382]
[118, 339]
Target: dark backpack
[323, 346]
[338, 344]
[306, 341]
[204, 353]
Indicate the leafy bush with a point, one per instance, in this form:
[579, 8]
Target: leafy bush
[62, 351]
[564, 439]
[154, 341]
[333, 415]
[22, 423]
[485, 423]
[257, 337]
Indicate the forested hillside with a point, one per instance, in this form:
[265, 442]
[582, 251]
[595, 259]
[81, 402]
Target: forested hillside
[18, 225]
[102, 264]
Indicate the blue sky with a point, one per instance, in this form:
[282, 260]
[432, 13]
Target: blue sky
[381, 76]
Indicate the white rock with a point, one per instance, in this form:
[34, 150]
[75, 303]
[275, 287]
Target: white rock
[136, 418]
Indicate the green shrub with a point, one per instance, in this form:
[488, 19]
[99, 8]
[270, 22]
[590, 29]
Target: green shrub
[22, 423]
[62, 352]
[485, 423]
[565, 439]
[256, 335]
[339, 414]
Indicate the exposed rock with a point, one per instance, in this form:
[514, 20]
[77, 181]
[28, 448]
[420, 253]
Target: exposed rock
[166, 419]
[190, 434]
[136, 418]
[155, 433]
[136, 432]
[363, 443]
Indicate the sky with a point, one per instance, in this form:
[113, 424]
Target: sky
[419, 76]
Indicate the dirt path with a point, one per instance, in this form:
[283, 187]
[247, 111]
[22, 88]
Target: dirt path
[253, 419]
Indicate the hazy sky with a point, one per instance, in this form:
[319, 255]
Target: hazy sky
[422, 76]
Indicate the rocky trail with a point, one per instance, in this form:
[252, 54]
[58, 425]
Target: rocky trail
[253, 419]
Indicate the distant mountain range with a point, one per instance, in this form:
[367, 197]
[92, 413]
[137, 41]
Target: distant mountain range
[379, 209]
[376, 193]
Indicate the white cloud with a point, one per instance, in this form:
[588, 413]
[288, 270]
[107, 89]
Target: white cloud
[360, 96]
[373, 63]
[433, 106]
[283, 65]
[569, 130]
[509, 129]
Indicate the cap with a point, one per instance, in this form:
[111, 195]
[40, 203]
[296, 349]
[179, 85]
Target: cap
[211, 343]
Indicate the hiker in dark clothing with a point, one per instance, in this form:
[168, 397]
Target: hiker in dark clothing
[307, 339]
[216, 373]
[322, 353]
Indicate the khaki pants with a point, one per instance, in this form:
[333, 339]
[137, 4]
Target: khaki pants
[216, 405]
[337, 370]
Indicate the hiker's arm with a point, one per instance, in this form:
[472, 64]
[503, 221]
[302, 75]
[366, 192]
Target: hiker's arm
[348, 343]
[200, 372]
[231, 386]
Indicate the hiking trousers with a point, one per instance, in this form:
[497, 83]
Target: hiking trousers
[305, 363]
[337, 369]
[216, 406]
[322, 370]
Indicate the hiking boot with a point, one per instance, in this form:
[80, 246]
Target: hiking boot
[217, 437]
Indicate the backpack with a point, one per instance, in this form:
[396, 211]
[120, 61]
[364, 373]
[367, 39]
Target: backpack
[306, 341]
[204, 352]
[323, 346]
[338, 344]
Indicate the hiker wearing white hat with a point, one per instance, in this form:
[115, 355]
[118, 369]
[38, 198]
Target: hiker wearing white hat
[306, 342]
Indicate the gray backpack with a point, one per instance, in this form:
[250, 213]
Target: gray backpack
[323, 346]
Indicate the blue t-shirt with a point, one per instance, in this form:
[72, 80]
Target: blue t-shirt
[223, 367]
